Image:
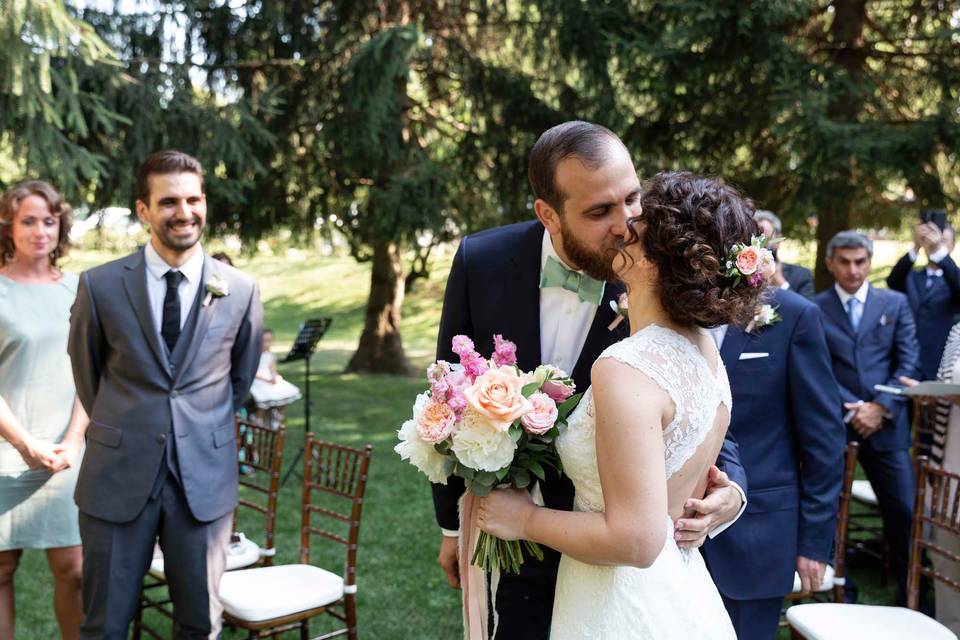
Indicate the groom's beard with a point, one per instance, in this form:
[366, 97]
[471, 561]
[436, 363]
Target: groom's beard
[596, 264]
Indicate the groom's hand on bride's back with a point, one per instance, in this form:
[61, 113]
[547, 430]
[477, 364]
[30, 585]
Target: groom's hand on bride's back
[720, 504]
[449, 560]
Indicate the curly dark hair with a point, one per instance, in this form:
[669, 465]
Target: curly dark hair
[9, 205]
[688, 225]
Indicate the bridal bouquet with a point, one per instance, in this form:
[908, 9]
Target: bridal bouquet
[492, 424]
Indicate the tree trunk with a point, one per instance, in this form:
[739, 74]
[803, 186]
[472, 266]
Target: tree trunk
[380, 349]
[839, 190]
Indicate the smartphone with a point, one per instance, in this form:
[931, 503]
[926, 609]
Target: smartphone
[936, 216]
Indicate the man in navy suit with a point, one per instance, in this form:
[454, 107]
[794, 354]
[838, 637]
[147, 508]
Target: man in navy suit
[586, 187]
[787, 420]
[873, 341]
[933, 292]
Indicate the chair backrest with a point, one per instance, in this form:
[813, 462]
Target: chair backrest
[924, 416]
[260, 454]
[334, 481]
[937, 510]
[843, 513]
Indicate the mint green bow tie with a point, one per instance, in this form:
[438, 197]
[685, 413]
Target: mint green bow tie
[554, 274]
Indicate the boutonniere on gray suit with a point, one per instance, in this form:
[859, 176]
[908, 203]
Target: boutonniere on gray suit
[216, 287]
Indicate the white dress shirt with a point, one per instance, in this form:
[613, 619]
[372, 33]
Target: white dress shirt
[192, 271]
[564, 319]
[936, 258]
[860, 294]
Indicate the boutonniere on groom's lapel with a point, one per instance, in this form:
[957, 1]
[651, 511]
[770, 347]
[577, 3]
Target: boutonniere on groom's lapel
[216, 287]
[619, 307]
[766, 317]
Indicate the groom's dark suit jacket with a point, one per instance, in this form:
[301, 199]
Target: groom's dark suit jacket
[494, 287]
[786, 418]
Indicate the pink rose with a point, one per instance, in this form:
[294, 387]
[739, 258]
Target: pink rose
[542, 417]
[436, 422]
[457, 401]
[767, 265]
[504, 351]
[747, 260]
[557, 390]
[497, 396]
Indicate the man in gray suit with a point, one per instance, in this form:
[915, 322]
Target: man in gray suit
[164, 345]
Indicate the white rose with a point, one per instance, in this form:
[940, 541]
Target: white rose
[421, 454]
[766, 314]
[480, 446]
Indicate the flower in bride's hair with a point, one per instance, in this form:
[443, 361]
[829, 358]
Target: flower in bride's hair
[479, 446]
[436, 422]
[542, 417]
[420, 453]
[767, 264]
[747, 260]
[497, 395]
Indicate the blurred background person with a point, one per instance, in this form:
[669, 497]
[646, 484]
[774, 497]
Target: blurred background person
[222, 257]
[41, 424]
[787, 276]
[933, 291]
[270, 392]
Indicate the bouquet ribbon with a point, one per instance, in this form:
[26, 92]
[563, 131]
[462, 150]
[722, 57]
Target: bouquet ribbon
[472, 577]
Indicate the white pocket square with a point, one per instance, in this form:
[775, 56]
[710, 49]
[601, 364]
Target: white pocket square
[747, 355]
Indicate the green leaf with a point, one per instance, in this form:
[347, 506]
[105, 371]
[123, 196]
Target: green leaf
[568, 405]
[515, 433]
[519, 478]
[529, 389]
[536, 469]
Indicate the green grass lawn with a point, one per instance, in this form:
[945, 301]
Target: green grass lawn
[402, 592]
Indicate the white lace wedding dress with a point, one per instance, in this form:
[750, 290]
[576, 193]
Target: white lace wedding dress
[674, 597]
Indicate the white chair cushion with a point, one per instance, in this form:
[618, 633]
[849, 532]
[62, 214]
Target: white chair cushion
[239, 554]
[265, 593]
[825, 585]
[828, 620]
[863, 491]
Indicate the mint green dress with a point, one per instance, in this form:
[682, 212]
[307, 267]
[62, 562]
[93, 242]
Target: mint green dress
[36, 508]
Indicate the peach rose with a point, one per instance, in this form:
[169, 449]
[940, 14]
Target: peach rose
[436, 422]
[497, 396]
[747, 260]
[543, 415]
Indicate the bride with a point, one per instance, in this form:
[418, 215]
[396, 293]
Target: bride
[644, 436]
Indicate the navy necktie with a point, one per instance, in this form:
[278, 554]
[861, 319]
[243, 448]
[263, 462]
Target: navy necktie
[170, 327]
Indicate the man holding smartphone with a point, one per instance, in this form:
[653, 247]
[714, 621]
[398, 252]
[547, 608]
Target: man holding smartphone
[934, 291]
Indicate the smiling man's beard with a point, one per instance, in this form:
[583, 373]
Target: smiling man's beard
[177, 244]
[596, 264]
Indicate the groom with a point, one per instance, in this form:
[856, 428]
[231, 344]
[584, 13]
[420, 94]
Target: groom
[547, 285]
[164, 344]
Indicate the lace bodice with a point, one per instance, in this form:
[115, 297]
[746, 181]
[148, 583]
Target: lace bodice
[677, 366]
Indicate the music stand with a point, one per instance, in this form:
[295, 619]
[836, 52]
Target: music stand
[303, 347]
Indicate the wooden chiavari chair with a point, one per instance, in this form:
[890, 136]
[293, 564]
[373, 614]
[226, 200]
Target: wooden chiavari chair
[940, 513]
[268, 601]
[834, 578]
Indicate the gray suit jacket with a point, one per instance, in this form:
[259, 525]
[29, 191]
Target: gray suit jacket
[136, 397]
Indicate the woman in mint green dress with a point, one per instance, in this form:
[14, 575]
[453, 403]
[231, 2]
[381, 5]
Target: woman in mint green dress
[41, 422]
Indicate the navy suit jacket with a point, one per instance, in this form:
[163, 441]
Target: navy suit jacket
[494, 287]
[934, 307]
[883, 349]
[786, 419]
[800, 279]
